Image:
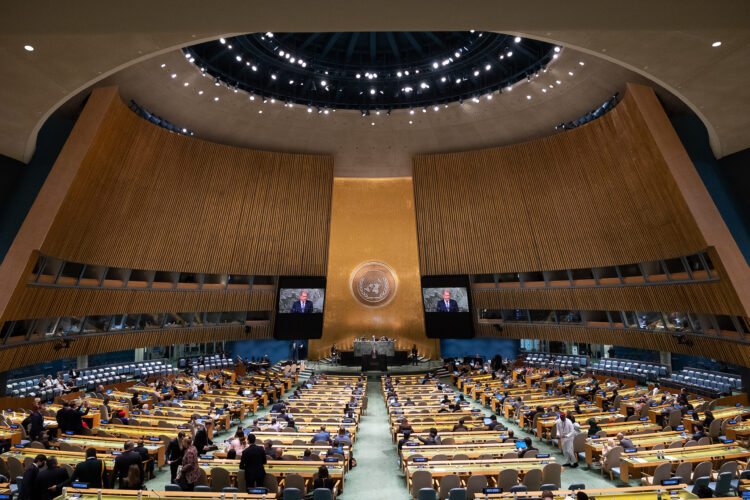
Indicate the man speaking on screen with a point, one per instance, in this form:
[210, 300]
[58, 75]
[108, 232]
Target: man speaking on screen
[447, 304]
[302, 305]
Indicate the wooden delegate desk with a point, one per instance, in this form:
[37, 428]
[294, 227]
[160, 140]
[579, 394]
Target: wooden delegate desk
[236, 405]
[155, 446]
[71, 458]
[290, 437]
[12, 435]
[544, 424]
[298, 450]
[465, 437]
[472, 450]
[628, 391]
[633, 464]
[654, 410]
[450, 416]
[92, 418]
[723, 413]
[473, 425]
[466, 468]
[137, 431]
[627, 428]
[249, 403]
[93, 494]
[18, 418]
[593, 447]
[676, 492]
[739, 431]
[308, 417]
[277, 468]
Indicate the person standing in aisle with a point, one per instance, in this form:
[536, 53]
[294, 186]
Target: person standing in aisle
[566, 432]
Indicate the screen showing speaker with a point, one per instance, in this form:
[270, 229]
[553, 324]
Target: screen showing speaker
[445, 299]
[447, 307]
[299, 308]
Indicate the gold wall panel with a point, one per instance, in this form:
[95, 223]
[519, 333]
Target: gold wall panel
[373, 220]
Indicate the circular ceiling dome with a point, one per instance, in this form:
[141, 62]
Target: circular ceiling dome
[371, 70]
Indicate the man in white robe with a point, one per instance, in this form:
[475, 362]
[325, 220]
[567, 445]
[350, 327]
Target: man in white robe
[565, 433]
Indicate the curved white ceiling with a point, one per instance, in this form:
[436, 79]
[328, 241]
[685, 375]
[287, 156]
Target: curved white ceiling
[670, 42]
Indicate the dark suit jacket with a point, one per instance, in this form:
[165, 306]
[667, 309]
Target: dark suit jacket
[27, 486]
[174, 452]
[453, 306]
[123, 463]
[91, 471]
[297, 307]
[47, 478]
[201, 441]
[252, 461]
[37, 425]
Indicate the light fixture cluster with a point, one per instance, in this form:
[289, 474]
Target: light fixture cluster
[365, 111]
[292, 68]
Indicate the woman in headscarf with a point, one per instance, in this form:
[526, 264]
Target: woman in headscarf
[593, 427]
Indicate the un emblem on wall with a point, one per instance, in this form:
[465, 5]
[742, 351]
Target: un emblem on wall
[373, 284]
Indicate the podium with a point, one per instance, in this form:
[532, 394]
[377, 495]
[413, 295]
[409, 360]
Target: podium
[377, 363]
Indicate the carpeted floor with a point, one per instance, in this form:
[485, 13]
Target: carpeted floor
[378, 475]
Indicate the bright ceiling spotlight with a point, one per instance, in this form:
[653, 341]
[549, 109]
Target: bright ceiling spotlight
[436, 108]
[273, 77]
[309, 110]
[509, 54]
[216, 99]
[372, 91]
[517, 39]
[557, 49]
[222, 41]
[476, 73]
[488, 67]
[715, 44]
[435, 65]
[528, 97]
[580, 63]
[323, 83]
[239, 58]
[174, 75]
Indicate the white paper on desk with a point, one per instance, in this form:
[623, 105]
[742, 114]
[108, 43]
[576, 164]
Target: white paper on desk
[669, 457]
[640, 460]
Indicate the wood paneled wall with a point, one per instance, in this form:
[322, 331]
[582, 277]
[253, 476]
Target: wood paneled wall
[709, 297]
[148, 198]
[597, 195]
[28, 354]
[705, 346]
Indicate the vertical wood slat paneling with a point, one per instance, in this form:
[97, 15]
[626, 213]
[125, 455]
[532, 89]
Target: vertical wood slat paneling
[148, 198]
[16, 356]
[598, 195]
[705, 346]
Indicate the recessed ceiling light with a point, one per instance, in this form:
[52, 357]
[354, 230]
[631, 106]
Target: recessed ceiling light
[309, 110]
[570, 73]
[715, 44]
[163, 65]
[325, 112]
[239, 58]
[517, 39]
[558, 82]
[410, 122]
[557, 49]
[436, 108]
[222, 41]
[411, 111]
[216, 98]
[186, 84]
[528, 97]
[200, 92]
[372, 91]
[372, 123]
[488, 67]
[544, 90]
[509, 54]
[580, 63]
[174, 75]
[489, 97]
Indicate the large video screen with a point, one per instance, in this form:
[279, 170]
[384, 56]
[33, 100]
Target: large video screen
[445, 299]
[299, 308]
[447, 307]
[301, 300]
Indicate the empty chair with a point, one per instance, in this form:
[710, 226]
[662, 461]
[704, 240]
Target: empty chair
[551, 472]
[658, 446]
[662, 472]
[579, 445]
[729, 466]
[220, 479]
[511, 454]
[322, 494]
[447, 484]
[202, 487]
[550, 487]
[577, 486]
[722, 485]
[506, 479]
[684, 470]
[427, 494]
[701, 470]
[460, 456]
[690, 443]
[675, 444]
[292, 494]
[532, 479]
[172, 487]
[419, 480]
[269, 482]
[517, 488]
[457, 494]
[474, 485]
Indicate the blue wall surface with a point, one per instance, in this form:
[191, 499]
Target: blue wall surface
[487, 348]
[21, 183]
[728, 197]
[276, 349]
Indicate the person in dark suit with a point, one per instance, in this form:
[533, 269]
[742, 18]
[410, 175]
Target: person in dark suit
[252, 461]
[201, 441]
[49, 482]
[63, 417]
[123, 462]
[75, 417]
[146, 460]
[27, 490]
[302, 305]
[447, 304]
[91, 471]
[175, 451]
[36, 423]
